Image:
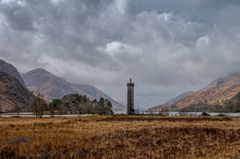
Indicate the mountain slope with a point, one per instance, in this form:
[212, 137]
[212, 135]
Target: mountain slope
[177, 98]
[13, 95]
[170, 102]
[215, 94]
[53, 87]
[11, 70]
[218, 92]
[47, 84]
[95, 93]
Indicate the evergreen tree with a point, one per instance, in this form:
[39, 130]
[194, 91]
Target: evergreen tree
[79, 104]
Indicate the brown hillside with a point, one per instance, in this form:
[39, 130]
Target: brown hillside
[216, 93]
[13, 95]
[11, 70]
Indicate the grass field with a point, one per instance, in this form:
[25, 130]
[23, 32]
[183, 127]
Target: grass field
[120, 137]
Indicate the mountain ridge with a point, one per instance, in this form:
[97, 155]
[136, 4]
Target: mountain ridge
[14, 95]
[95, 93]
[51, 87]
[216, 93]
[11, 70]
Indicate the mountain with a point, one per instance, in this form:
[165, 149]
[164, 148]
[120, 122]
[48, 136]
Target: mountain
[170, 102]
[13, 95]
[11, 70]
[94, 93]
[215, 94]
[177, 98]
[51, 87]
[40, 81]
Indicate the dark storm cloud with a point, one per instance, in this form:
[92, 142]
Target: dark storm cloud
[167, 46]
[18, 17]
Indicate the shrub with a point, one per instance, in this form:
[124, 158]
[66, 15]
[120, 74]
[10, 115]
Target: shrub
[205, 114]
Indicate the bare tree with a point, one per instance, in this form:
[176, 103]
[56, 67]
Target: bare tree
[39, 105]
[17, 109]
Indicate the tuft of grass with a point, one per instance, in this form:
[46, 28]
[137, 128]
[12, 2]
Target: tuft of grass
[216, 118]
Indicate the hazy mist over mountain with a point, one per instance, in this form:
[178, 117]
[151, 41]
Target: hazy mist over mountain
[167, 47]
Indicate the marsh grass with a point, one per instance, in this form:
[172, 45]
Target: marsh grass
[120, 137]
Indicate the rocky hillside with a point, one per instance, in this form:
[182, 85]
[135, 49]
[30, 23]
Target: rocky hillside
[215, 94]
[13, 95]
[11, 70]
[40, 81]
[54, 87]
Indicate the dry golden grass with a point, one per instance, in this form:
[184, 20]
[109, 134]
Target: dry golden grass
[120, 137]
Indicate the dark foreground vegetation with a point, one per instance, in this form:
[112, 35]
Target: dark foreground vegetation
[72, 104]
[120, 137]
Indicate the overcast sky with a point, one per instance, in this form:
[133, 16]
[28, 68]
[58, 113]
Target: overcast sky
[166, 46]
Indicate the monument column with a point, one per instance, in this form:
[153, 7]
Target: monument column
[130, 97]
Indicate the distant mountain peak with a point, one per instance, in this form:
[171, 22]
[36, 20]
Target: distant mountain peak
[40, 70]
[53, 87]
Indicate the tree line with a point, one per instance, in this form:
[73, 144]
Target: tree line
[72, 104]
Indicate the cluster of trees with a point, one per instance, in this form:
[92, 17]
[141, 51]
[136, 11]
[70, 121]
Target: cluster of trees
[72, 104]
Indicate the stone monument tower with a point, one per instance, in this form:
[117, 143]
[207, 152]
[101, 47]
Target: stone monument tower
[130, 97]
